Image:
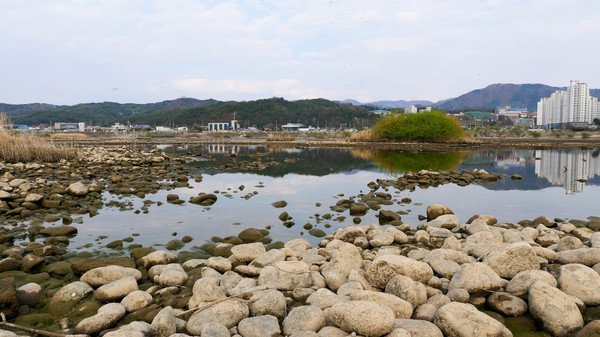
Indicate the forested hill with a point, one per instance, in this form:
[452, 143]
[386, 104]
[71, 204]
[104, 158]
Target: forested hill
[265, 113]
[105, 113]
[503, 94]
[261, 113]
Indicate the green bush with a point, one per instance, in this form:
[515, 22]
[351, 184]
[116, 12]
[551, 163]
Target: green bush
[585, 135]
[423, 126]
[571, 135]
[536, 134]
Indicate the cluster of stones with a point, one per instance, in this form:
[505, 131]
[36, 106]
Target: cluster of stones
[427, 178]
[40, 189]
[361, 280]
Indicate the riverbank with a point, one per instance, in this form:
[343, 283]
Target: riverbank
[448, 277]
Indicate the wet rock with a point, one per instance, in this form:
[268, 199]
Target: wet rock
[29, 294]
[69, 296]
[435, 210]
[387, 216]
[557, 311]
[107, 317]
[9, 303]
[461, 319]
[32, 263]
[116, 290]
[279, 204]
[80, 266]
[580, 281]
[103, 275]
[590, 330]
[303, 318]
[250, 235]
[363, 317]
[261, 326]
[228, 313]
[59, 231]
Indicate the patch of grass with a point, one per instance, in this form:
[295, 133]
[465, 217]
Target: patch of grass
[280, 137]
[16, 147]
[586, 135]
[362, 136]
[424, 126]
[536, 134]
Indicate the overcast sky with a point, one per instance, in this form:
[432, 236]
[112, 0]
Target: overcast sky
[75, 51]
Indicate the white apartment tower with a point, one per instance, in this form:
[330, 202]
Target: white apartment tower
[572, 105]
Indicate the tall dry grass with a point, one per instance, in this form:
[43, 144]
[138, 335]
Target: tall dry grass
[362, 136]
[25, 148]
[281, 137]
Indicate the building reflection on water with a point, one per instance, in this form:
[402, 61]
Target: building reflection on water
[571, 169]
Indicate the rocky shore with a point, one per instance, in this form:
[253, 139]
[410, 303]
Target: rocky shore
[361, 280]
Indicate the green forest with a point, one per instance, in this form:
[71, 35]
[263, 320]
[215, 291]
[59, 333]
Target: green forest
[264, 113]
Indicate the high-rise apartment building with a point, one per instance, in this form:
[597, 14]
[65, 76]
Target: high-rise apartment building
[565, 106]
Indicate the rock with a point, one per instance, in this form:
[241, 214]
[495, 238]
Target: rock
[476, 278]
[247, 252]
[556, 310]
[592, 329]
[77, 189]
[444, 268]
[33, 197]
[286, 275]
[261, 326]
[400, 307]
[507, 305]
[522, 281]
[268, 302]
[585, 256]
[9, 263]
[279, 204]
[107, 317]
[103, 275]
[136, 300]
[206, 291]
[382, 239]
[569, 243]
[303, 318]
[418, 327]
[168, 275]
[9, 304]
[435, 210]
[163, 324]
[219, 263]
[462, 319]
[214, 329]
[228, 313]
[387, 216]
[29, 294]
[345, 258]
[298, 245]
[447, 221]
[32, 262]
[59, 231]
[425, 311]
[69, 296]
[458, 295]
[331, 331]
[512, 259]
[250, 235]
[488, 219]
[385, 267]
[407, 289]
[325, 298]
[363, 317]
[158, 257]
[349, 234]
[81, 266]
[116, 290]
[580, 281]
[6, 333]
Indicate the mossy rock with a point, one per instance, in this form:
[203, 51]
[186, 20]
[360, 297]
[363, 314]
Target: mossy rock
[82, 265]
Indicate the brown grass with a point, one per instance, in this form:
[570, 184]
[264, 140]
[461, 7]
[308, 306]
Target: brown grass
[362, 136]
[281, 137]
[23, 148]
[68, 135]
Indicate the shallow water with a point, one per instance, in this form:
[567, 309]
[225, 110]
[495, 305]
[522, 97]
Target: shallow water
[310, 177]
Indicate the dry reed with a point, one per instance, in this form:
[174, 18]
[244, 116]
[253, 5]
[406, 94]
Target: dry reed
[362, 136]
[281, 137]
[24, 148]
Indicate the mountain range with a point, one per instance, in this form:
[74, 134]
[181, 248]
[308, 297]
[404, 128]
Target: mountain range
[270, 112]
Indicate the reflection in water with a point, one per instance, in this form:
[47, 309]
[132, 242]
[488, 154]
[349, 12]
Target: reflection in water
[570, 168]
[394, 162]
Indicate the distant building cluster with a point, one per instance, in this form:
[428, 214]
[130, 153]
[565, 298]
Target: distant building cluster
[574, 105]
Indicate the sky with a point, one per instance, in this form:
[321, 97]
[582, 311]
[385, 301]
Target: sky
[142, 51]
